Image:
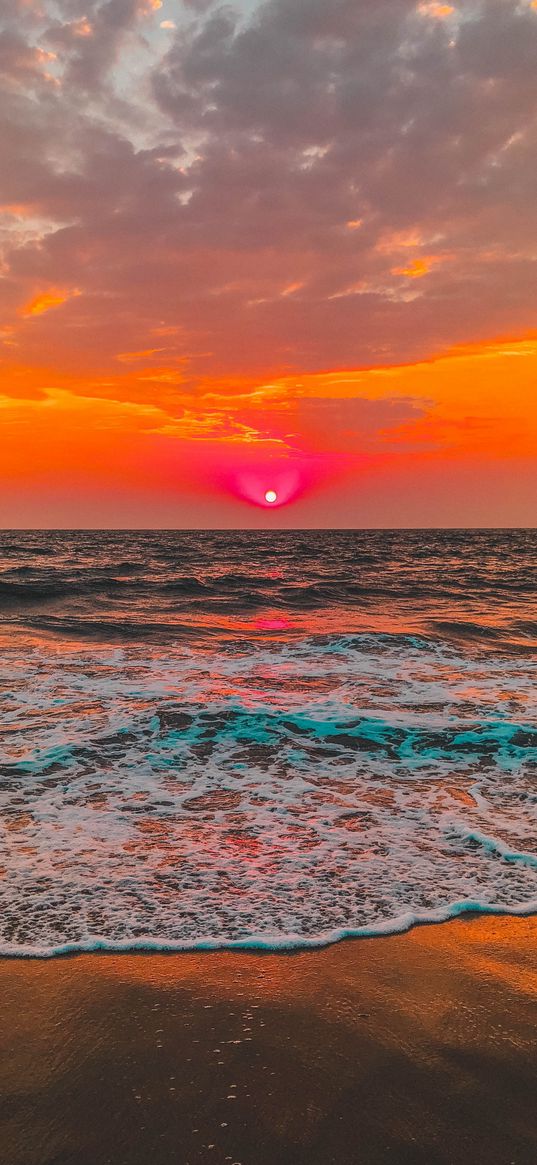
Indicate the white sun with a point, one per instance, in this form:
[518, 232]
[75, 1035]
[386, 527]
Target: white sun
[271, 496]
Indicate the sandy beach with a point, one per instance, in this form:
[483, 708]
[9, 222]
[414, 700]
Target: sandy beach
[417, 1048]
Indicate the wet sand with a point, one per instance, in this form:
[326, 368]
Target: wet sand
[418, 1048]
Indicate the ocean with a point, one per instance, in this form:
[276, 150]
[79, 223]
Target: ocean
[263, 739]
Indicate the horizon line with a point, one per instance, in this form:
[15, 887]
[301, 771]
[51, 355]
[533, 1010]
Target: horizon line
[258, 529]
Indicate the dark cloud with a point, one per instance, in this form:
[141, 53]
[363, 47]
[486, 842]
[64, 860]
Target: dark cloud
[321, 183]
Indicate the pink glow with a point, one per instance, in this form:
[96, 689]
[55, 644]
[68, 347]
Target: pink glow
[288, 479]
[273, 624]
[286, 483]
[246, 475]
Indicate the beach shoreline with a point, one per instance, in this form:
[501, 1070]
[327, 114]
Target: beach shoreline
[413, 1048]
[274, 945]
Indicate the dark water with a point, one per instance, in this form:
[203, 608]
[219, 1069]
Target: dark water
[263, 737]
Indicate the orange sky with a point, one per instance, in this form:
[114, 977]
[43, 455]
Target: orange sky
[226, 267]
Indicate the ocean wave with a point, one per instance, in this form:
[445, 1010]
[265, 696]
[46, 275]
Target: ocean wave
[49, 590]
[275, 943]
[182, 731]
[243, 622]
[114, 630]
[477, 587]
[257, 739]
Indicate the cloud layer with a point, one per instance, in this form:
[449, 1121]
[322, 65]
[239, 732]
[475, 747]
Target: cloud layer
[199, 199]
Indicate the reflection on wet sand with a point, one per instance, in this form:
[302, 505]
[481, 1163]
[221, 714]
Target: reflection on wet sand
[412, 1049]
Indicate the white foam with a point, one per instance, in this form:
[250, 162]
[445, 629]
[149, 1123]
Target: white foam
[276, 943]
[321, 790]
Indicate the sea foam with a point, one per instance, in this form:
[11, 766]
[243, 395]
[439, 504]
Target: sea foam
[263, 782]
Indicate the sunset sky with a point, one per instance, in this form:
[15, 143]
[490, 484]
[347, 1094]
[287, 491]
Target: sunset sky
[284, 245]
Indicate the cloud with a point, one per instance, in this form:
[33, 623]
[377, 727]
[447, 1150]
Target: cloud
[295, 186]
[436, 10]
[357, 425]
[46, 300]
